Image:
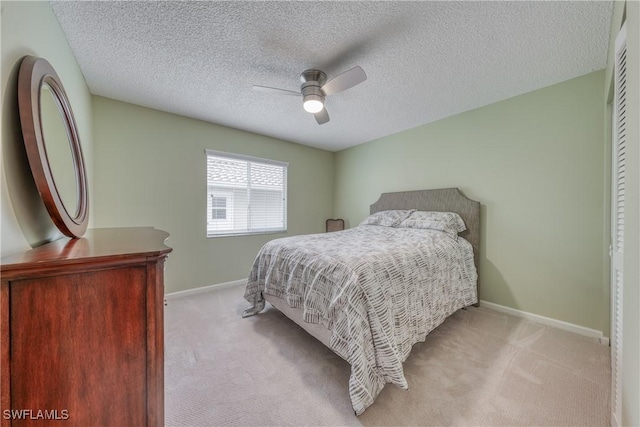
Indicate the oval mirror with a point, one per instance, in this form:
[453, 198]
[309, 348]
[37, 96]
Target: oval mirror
[53, 146]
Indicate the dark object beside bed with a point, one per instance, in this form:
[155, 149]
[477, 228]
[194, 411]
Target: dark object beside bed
[334, 225]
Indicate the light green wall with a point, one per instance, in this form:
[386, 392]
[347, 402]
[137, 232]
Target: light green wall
[151, 170]
[30, 28]
[535, 162]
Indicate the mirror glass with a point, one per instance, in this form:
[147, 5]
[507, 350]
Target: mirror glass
[59, 150]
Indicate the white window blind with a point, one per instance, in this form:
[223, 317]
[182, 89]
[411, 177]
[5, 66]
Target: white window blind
[245, 195]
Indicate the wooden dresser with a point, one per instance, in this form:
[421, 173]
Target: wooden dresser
[81, 331]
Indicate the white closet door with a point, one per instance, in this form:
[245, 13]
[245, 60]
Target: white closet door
[617, 221]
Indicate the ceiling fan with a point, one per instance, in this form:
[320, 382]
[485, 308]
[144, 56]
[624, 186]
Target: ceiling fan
[315, 87]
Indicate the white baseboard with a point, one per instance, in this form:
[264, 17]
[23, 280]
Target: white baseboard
[204, 289]
[577, 329]
[548, 321]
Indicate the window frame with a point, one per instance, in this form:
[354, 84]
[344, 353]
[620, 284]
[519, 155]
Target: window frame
[211, 191]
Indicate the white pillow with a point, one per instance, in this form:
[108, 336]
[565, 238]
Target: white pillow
[391, 218]
[449, 222]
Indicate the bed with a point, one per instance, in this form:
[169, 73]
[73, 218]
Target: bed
[370, 292]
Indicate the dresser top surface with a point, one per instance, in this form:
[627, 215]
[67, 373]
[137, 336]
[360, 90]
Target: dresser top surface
[96, 244]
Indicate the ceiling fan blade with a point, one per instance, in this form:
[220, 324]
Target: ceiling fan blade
[344, 81]
[267, 89]
[322, 117]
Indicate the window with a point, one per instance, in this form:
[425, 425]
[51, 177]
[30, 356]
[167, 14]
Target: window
[245, 195]
[218, 207]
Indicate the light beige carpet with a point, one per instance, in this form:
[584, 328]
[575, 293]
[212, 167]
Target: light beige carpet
[479, 368]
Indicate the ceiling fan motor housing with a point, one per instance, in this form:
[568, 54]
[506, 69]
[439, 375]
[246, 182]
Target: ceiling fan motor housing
[312, 82]
[313, 76]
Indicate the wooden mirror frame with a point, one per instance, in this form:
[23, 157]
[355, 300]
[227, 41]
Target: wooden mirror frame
[34, 73]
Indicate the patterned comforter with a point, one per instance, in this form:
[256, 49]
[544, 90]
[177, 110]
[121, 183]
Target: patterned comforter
[379, 290]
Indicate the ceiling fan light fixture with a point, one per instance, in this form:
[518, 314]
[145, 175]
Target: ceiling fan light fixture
[315, 87]
[313, 103]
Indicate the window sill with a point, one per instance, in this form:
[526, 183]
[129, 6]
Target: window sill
[253, 233]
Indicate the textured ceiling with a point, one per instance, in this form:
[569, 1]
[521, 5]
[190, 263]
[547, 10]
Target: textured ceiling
[424, 60]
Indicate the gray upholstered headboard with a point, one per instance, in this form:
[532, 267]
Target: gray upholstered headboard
[441, 200]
